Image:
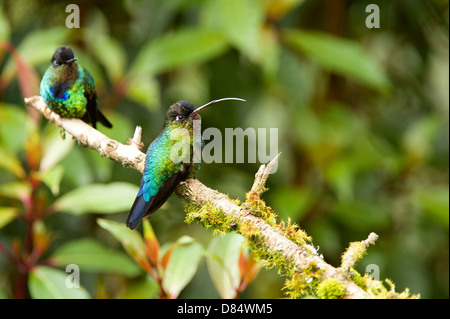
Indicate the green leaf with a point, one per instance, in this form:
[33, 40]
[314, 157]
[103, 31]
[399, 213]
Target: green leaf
[7, 214]
[270, 51]
[277, 9]
[10, 162]
[14, 125]
[122, 131]
[362, 215]
[38, 47]
[81, 172]
[91, 255]
[131, 240]
[16, 190]
[151, 242]
[3, 294]
[52, 178]
[223, 263]
[340, 174]
[145, 288]
[103, 168]
[98, 198]
[419, 137]
[145, 91]
[5, 30]
[240, 21]
[182, 266]
[54, 148]
[292, 202]
[172, 50]
[49, 283]
[434, 202]
[111, 54]
[28, 78]
[191, 82]
[341, 56]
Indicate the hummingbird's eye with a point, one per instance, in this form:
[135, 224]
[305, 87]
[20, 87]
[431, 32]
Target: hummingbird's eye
[179, 118]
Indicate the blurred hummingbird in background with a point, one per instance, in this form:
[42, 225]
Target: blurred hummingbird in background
[162, 173]
[68, 89]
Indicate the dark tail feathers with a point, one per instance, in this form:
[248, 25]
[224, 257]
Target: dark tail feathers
[137, 211]
[103, 119]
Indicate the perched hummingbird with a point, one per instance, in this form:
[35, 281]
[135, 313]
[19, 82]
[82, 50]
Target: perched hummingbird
[68, 89]
[162, 174]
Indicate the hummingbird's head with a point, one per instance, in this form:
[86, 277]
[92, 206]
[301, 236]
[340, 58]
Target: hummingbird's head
[62, 56]
[183, 111]
[180, 112]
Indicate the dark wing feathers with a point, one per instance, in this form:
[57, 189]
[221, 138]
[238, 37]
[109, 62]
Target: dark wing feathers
[91, 108]
[142, 209]
[93, 114]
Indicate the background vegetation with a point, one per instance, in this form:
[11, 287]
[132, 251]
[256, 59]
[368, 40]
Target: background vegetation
[362, 118]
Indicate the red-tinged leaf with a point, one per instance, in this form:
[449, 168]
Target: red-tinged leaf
[34, 151]
[248, 269]
[151, 242]
[7, 214]
[27, 76]
[131, 241]
[168, 253]
[242, 263]
[16, 249]
[182, 267]
[143, 262]
[278, 9]
[166, 258]
[41, 239]
[223, 263]
[19, 190]
[253, 268]
[10, 162]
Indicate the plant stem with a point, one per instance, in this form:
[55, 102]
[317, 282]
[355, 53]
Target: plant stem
[24, 263]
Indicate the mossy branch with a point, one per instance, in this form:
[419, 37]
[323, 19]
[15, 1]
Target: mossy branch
[281, 245]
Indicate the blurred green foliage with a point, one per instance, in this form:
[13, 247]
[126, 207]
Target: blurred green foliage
[362, 118]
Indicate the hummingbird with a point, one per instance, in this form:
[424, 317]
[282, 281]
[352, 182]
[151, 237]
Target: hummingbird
[68, 89]
[163, 169]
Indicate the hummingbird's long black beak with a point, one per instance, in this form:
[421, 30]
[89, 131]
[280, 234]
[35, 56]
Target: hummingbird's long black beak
[214, 101]
[71, 60]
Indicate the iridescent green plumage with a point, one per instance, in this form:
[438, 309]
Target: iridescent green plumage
[172, 157]
[69, 90]
[164, 168]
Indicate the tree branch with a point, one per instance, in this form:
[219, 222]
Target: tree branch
[129, 155]
[356, 251]
[284, 246]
